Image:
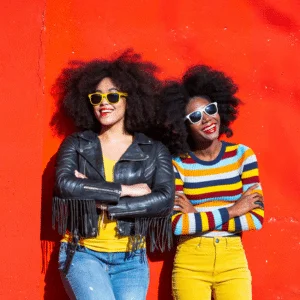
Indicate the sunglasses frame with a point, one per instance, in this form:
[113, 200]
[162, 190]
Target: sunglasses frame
[201, 110]
[104, 95]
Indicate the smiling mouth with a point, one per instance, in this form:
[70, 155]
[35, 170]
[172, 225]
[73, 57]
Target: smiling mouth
[210, 129]
[105, 112]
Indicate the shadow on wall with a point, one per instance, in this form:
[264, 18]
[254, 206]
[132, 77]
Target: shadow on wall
[50, 239]
[61, 126]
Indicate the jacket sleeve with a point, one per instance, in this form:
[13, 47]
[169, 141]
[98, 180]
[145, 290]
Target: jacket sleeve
[160, 202]
[68, 186]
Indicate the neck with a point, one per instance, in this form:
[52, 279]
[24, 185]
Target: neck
[115, 132]
[207, 150]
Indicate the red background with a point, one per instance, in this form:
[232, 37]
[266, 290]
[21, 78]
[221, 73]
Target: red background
[255, 42]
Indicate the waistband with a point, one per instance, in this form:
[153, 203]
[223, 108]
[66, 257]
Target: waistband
[209, 241]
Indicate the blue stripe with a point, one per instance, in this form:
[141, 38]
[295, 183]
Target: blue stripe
[256, 222]
[223, 162]
[250, 166]
[228, 198]
[246, 186]
[177, 175]
[197, 185]
[217, 217]
[224, 214]
[178, 227]
[198, 222]
[238, 225]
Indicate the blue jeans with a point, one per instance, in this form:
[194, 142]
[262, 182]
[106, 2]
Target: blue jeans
[105, 275]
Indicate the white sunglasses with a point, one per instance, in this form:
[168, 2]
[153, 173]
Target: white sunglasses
[197, 115]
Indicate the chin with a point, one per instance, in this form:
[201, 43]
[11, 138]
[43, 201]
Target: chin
[109, 122]
[211, 137]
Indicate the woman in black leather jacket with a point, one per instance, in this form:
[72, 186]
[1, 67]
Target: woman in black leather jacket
[114, 185]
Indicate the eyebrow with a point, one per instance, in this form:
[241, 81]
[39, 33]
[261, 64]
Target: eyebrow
[109, 90]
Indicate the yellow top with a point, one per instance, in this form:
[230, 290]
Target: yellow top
[107, 239]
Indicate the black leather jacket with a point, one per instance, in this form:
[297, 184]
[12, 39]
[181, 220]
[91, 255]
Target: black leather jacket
[145, 161]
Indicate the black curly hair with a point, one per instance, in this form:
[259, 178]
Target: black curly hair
[201, 81]
[128, 72]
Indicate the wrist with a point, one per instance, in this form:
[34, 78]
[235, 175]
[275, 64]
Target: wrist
[231, 212]
[124, 190]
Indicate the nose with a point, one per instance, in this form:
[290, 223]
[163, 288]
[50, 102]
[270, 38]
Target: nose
[205, 117]
[104, 100]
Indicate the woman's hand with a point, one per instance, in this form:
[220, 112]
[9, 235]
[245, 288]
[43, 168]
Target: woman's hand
[79, 175]
[135, 190]
[183, 204]
[247, 202]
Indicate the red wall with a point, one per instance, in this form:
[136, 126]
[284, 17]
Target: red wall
[22, 103]
[256, 42]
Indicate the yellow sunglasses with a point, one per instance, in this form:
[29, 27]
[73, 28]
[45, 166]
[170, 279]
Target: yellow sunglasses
[112, 97]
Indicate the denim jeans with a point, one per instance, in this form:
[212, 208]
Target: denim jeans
[105, 275]
[204, 265]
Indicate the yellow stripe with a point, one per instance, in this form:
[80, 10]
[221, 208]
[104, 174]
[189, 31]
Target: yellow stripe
[228, 168]
[231, 148]
[204, 219]
[231, 225]
[247, 154]
[210, 189]
[213, 171]
[213, 203]
[175, 164]
[178, 181]
[258, 191]
[259, 211]
[250, 173]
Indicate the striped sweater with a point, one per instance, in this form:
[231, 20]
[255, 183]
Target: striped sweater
[212, 186]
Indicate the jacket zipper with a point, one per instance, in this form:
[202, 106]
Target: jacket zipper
[101, 189]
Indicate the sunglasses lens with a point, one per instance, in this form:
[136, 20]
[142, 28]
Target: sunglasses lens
[211, 109]
[113, 97]
[96, 99]
[196, 116]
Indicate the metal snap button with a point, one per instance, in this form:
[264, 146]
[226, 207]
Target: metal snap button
[217, 240]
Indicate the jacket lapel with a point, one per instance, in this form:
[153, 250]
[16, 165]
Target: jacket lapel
[90, 149]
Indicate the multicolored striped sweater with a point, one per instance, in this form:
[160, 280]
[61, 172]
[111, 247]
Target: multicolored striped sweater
[212, 186]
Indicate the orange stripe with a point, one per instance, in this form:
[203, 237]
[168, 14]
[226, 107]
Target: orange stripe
[250, 222]
[185, 224]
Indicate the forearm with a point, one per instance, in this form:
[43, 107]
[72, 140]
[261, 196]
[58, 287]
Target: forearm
[67, 185]
[159, 203]
[252, 220]
[191, 223]
[72, 187]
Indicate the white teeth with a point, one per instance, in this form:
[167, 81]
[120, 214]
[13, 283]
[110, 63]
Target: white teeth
[210, 127]
[106, 110]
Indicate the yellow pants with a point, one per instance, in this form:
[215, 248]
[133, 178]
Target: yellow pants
[211, 266]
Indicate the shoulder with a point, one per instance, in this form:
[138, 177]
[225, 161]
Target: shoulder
[245, 154]
[245, 150]
[177, 162]
[143, 139]
[238, 148]
[73, 139]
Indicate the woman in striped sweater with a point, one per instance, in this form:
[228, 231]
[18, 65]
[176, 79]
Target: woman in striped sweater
[218, 193]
